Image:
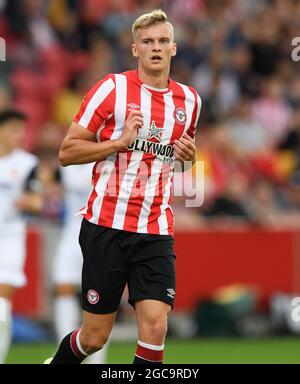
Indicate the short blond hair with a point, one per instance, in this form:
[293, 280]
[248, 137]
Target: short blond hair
[157, 16]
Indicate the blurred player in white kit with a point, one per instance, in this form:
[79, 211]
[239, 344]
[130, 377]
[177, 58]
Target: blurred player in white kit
[17, 196]
[76, 182]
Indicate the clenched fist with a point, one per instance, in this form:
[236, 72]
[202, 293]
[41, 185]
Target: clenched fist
[185, 149]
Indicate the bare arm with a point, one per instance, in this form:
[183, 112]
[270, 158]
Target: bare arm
[80, 145]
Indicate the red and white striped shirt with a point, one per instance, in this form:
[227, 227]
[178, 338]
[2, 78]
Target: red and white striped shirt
[132, 189]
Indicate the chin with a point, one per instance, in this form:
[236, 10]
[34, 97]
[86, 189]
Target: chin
[157, 67]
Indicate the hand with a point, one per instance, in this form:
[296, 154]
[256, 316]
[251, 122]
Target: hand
[30, 202]
[133, 123]
[184, 149]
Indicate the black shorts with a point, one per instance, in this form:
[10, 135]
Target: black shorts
[112, 258]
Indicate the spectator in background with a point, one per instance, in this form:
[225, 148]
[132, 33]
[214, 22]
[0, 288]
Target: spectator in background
[240, 68]
[244, 131]
[219, 88]
[47, 175]
[123, 59]
[291, 199]
[263, 205]
[222, 159]
[67, 266]
[18, 195]
[265, 42]
[291, 141]
[229, 209]
[272, 111]
[229, 50]
[194, 45]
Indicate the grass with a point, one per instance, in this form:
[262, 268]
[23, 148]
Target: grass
[199, 351]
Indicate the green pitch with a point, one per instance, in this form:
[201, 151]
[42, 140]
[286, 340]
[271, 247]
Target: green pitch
[224, 351]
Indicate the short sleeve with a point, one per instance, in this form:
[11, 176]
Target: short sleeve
[97, 105]
[196, 114]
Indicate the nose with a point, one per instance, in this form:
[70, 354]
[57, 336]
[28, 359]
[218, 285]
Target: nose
[156, 46]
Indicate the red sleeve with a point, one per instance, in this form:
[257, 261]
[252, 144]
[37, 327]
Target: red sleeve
[196, 113]
[97, 105]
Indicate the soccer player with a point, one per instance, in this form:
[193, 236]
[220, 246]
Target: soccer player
[134, 125]
[67, 265]
[17, 195]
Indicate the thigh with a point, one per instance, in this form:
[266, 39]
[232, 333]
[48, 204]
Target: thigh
[104, 272]
[147, 311]
[96, 328]
[152, 273]
[93, 322]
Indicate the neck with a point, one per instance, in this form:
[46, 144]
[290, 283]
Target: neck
[154, 79]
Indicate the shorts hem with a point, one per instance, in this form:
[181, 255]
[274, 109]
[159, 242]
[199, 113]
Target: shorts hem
[134, 300]
[98, 312]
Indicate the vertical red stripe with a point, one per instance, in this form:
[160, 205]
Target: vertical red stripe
[87, 99]
[96, 174]
[177, 131]
[153, 226]
[110, 200]
[192, 129]
[179, 102]
[135, 202]
[101, 113]
[108, 130]
[138, 194]
[169, 213]
[112, 191]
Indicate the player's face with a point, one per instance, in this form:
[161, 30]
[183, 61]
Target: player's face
[154, 47]
[12, 134]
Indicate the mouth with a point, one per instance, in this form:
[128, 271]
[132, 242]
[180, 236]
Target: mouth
[156, 59]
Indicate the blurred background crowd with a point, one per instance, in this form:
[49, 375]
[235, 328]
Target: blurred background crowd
[237, 54]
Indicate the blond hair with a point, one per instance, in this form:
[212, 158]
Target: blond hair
[157, 16]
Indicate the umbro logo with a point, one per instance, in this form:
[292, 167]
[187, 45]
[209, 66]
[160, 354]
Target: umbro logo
[133, 106]
[171, 293]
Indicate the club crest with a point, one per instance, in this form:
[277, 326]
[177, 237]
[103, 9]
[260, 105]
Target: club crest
[180, 115]
[92, 296]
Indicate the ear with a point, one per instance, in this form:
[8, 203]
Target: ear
[134, 50]
[174, 49]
